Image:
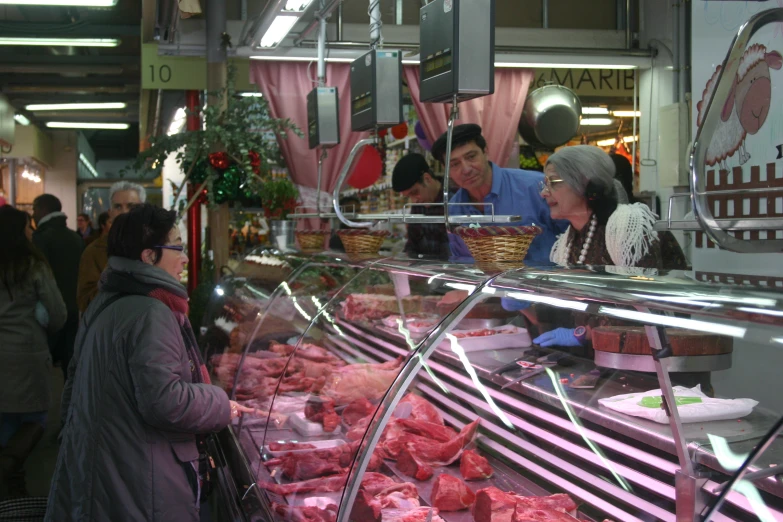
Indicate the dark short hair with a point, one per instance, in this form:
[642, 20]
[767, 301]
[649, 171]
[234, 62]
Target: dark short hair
[103, 218]
[48, 203]
[145, 226]
[461, 135]
[409, 171]
[85, 216]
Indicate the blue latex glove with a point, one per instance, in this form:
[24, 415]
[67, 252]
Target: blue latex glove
[514, 305]
[557, 337]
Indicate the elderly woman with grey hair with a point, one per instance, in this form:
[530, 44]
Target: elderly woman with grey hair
[579, 186]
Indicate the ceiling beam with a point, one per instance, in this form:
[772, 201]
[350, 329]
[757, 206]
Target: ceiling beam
[68, 81]
[78, 30]
[37, 59]
[58, 68]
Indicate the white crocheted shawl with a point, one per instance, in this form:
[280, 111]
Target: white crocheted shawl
[630, 234]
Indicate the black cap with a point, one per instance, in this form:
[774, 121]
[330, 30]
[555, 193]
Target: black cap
[461, 135]
[408, 171]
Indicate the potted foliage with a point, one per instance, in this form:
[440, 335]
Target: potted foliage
[278, 199]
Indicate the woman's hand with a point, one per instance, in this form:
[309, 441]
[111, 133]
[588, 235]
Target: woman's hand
[237, 410]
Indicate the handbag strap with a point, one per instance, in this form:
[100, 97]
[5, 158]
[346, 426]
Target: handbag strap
[103, 307]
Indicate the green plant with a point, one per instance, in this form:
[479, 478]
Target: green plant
[278, 198]
[230, 156]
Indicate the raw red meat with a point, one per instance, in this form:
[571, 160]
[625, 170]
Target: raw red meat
[406, 490]
[451, 494]
[355, 381]
[523, 513]
[304, 466]
[431, 430]
[322, 485]
[473, 466]
[374, 483]
[411, 466]
[422, 409]
[443, 454]
[305, 513]
[365, 508]
[393, 445]
[559, 502]
[285, 446]
[320, 409]
[357, 410]
[493, 505]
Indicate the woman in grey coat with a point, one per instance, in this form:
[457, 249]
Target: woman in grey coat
[138, 401]
[27, 286]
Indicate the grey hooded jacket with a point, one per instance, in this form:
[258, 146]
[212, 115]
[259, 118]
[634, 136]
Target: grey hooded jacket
[132, 413]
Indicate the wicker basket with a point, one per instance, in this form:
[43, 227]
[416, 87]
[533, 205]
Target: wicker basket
[358, 241]
[310, 240]
[495, 244]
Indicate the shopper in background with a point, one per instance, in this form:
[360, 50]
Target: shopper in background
[138, 402]
[511, 192]
[26, 283]
[624, 174]
[123, 196]
[84, 228]
[62, 248]
[413, 178]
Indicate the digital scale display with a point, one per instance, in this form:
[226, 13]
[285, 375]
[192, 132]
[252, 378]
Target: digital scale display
[362, 103]
[436, 65]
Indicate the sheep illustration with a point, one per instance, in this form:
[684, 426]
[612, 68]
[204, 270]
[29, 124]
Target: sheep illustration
[747, 107]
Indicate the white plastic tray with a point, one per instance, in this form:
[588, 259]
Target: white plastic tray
[518, 338]
[319, 444]
[308, 428]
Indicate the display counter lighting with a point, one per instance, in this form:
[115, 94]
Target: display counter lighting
[88, 165]
[251, 95]
[64, 3]
[75, 106]
[21, 119]
[675, 322]
[626, 114]
[596, 121]
[298, 59]
[280, 27]
[85, 125]
[297, 5]
[35, 178]
[530, 65]
[612, 141]
[62, 42]
[595, 110]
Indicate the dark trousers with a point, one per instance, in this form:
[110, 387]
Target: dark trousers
[61, 343]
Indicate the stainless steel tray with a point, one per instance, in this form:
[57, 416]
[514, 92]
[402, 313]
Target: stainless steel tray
[645, 363]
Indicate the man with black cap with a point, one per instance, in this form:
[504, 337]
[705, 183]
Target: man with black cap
[510, 191]
[413, 178]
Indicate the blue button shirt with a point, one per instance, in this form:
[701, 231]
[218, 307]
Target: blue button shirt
[514, 192]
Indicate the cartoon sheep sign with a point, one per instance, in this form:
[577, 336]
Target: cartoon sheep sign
[747, 107]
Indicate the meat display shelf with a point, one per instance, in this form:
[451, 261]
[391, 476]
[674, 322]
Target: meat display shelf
[539, 435]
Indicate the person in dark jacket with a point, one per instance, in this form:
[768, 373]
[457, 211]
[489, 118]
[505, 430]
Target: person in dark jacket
[413, 178]
[30, 304]
[138, 402]
[62, 248]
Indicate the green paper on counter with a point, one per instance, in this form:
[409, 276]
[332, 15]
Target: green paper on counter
[655, 402]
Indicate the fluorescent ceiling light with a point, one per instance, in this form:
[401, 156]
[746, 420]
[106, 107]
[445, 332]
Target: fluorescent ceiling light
[626, 114]
[611, 141]
[280, 27]
[297, 5]
[298, 59]
[69, 3]
[76, 125]
[88, 165]
[251, 94]
[21, 119]
[62, 42]
[75, 106]
[595, 110]
[596, 121]
[562, 65]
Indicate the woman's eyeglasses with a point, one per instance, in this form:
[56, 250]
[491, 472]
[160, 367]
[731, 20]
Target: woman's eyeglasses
[548, 184]
[178, 248]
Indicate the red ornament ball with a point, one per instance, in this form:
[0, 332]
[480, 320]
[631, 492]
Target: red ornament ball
[400, 131]
[367, 168]
[219, 160]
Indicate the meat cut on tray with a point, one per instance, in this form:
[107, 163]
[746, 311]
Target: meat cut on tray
[451, 494]
[410, 465]
[305, 513]
[527, 514]
[357, 410]
[444, 453]
[473, 466]
[308, 466]
[286, 446]
[494, 505]
[356, 381]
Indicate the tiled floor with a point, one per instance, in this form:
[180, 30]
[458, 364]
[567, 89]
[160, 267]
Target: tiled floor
[40, 465]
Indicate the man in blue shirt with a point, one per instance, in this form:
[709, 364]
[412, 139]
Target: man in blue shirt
[510, 191]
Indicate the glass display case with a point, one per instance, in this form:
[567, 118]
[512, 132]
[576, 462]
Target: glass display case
[404, 390]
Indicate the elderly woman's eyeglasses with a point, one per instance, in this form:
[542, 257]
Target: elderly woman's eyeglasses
[548, 184]
[178, 248]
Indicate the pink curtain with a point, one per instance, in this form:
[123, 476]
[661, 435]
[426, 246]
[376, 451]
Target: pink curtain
[498, 114]
[285, 86]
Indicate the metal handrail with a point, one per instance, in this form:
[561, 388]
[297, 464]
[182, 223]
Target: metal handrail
[344, 174]
[704, 134]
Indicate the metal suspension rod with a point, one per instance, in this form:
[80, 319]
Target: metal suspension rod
[452, 118]
[322, 48]
[344, 174]
[376, 38]
[321, 159]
